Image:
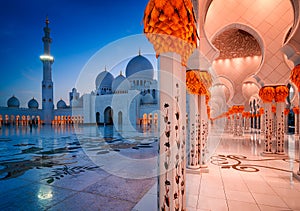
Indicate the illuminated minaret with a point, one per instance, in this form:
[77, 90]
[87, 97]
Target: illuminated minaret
[47, 83]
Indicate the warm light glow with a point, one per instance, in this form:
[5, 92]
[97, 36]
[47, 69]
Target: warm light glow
[171, 27]
[46, 58]
[45, 193]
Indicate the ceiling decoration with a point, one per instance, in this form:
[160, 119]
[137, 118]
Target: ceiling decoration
[236, 43]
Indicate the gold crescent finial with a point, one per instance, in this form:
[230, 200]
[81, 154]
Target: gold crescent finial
[47, 21]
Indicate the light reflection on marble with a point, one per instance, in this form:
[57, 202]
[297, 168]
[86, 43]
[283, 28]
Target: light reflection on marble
[39, 168]
[270, 187]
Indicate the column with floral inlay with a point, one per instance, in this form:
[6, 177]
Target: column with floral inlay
[295, 78]
[281, 93]
[173, 33]
[267, 94]
[193, 126]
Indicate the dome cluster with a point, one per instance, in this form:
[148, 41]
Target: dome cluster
[138, 67]
[14, 102]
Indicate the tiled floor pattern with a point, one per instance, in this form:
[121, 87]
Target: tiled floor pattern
[271, 188]
[92, 190]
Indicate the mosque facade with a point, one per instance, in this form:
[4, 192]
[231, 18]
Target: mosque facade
[124, 101]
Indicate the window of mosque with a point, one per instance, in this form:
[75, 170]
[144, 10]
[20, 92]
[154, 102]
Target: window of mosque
[49, 86]
[44, 86]
[44, 100]
[50, 100]
[137, 82]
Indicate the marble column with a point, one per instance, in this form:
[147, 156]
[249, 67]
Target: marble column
[193, 127]
[286, 124]
[280, 127]
[203, 131]
[296, 124]
[268, 116]
[232, 125]
[239, 124]
[246, 119]
[262, 124]
[172, 148]
[274, 125]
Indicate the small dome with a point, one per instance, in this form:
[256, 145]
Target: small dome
[104, 80]
[61, 104]
[120, 84]
[147, 99]
[33, 103]
[140, 67]
[13, 102]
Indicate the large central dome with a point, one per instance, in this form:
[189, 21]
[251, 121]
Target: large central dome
[140, 67]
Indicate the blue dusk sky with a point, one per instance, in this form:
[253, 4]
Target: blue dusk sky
[84, 33]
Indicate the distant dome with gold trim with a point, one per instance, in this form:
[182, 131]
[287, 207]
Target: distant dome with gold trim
[61, 104]
[13, 102]
[33, 104]
[140, 67]
[104, 81]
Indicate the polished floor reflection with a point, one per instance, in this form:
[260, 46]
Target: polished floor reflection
[55, 168]
[240, 178]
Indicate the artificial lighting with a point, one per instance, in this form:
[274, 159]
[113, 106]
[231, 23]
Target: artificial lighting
[46, 58]
[45, 193]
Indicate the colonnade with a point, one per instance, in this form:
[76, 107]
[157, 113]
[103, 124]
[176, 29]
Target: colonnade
[273, 98]
[67, 120]
[19, 120]
[198, 84]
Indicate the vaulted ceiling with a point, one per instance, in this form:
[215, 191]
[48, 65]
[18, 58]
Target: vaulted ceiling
[249, 36]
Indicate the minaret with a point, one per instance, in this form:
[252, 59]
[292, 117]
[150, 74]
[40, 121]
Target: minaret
[47, 84]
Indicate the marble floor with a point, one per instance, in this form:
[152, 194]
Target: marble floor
[67, 168]
[239, 177]
[94, 168]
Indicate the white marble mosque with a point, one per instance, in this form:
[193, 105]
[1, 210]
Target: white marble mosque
[136, 88]
[228, 102]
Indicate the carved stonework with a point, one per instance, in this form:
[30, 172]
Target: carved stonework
[236, 43]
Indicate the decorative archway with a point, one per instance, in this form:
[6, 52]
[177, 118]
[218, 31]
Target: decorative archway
[97, 118]
[108, 116]
[120, 119]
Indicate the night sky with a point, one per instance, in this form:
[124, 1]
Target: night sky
[79, 29]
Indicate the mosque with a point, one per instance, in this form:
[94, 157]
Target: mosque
[103, 106]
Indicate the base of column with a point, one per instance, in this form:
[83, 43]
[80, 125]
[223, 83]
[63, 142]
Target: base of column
[193, 167]
[197, 171]
[280, 153]
[267, 154]
[276, 155]
[204, 168]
